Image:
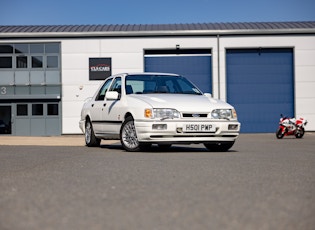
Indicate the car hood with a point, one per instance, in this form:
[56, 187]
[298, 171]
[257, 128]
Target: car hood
[182, 102]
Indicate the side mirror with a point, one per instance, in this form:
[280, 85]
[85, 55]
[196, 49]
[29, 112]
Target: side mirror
[112, 95]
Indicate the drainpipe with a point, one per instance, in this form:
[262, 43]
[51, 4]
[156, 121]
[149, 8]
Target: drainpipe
[218, 50]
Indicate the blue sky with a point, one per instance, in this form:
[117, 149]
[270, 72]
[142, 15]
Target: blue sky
[76, 12]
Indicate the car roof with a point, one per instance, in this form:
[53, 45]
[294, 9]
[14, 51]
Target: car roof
[152, 73]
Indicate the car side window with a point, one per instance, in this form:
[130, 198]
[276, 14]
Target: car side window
[116, 86]
[103, 90]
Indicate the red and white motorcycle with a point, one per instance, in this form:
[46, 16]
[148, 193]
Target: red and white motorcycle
[291, 126]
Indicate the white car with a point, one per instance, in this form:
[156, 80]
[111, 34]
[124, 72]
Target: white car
[142, 109]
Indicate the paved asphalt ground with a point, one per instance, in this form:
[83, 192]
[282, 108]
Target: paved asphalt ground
[57, 183]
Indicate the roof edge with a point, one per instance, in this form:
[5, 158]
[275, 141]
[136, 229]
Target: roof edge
[157, 33]
[158, 29]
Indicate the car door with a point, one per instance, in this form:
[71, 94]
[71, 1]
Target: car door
[112, 111]
[97, 106]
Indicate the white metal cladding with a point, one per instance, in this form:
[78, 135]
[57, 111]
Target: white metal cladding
[125, 44]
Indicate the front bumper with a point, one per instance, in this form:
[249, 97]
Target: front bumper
[82, 125]
[173, 131]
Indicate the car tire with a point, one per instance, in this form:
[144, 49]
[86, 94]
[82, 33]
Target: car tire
[90, 139]
[128, 136]
[219, 147]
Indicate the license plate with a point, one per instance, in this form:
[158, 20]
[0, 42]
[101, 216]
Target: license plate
[198, 127]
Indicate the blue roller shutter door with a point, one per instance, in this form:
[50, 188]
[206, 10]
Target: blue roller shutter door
[195, 68]
[260, 84]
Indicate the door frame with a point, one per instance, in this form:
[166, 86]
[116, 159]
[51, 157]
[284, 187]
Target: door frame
[7, 130]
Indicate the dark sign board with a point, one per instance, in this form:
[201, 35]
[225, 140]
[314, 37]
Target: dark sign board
[100, 68]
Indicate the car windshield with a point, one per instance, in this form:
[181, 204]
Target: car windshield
[144, 84]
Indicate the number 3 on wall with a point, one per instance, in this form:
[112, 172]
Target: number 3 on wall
[3, 90]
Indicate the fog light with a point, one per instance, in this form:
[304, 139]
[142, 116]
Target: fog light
[179, 130]
[233, 127]
[159, 126]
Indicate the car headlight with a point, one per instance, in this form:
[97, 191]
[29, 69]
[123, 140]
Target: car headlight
[161, 113]
[224, 114]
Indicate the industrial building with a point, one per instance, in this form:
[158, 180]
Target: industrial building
[262, 69]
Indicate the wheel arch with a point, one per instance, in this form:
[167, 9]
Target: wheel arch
[128, 114]
[86, 119]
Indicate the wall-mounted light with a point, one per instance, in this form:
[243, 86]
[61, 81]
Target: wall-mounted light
[80, 88]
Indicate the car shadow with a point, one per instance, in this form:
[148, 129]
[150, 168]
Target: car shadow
[173, 149]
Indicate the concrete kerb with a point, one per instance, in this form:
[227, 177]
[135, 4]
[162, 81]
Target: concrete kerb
[70, 140]
[63, 140]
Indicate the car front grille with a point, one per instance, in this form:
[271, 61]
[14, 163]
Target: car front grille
[195, 115]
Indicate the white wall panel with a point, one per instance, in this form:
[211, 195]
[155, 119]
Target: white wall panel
[76, 61]
[74, 46]
[127, 60]
[79, 92]
[70, 122]
[304, 57]
[127, 56]
[127, 70]
[305, 90]
[75, 76]
[303, 107]
[302, 73]
[70, 125]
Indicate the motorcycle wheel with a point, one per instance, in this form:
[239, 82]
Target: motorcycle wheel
[279, 134]
[299, 133]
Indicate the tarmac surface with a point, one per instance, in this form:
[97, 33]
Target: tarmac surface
[262, 183]
[63, 140]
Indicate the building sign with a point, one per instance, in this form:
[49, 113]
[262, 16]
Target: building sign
[100, 68]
